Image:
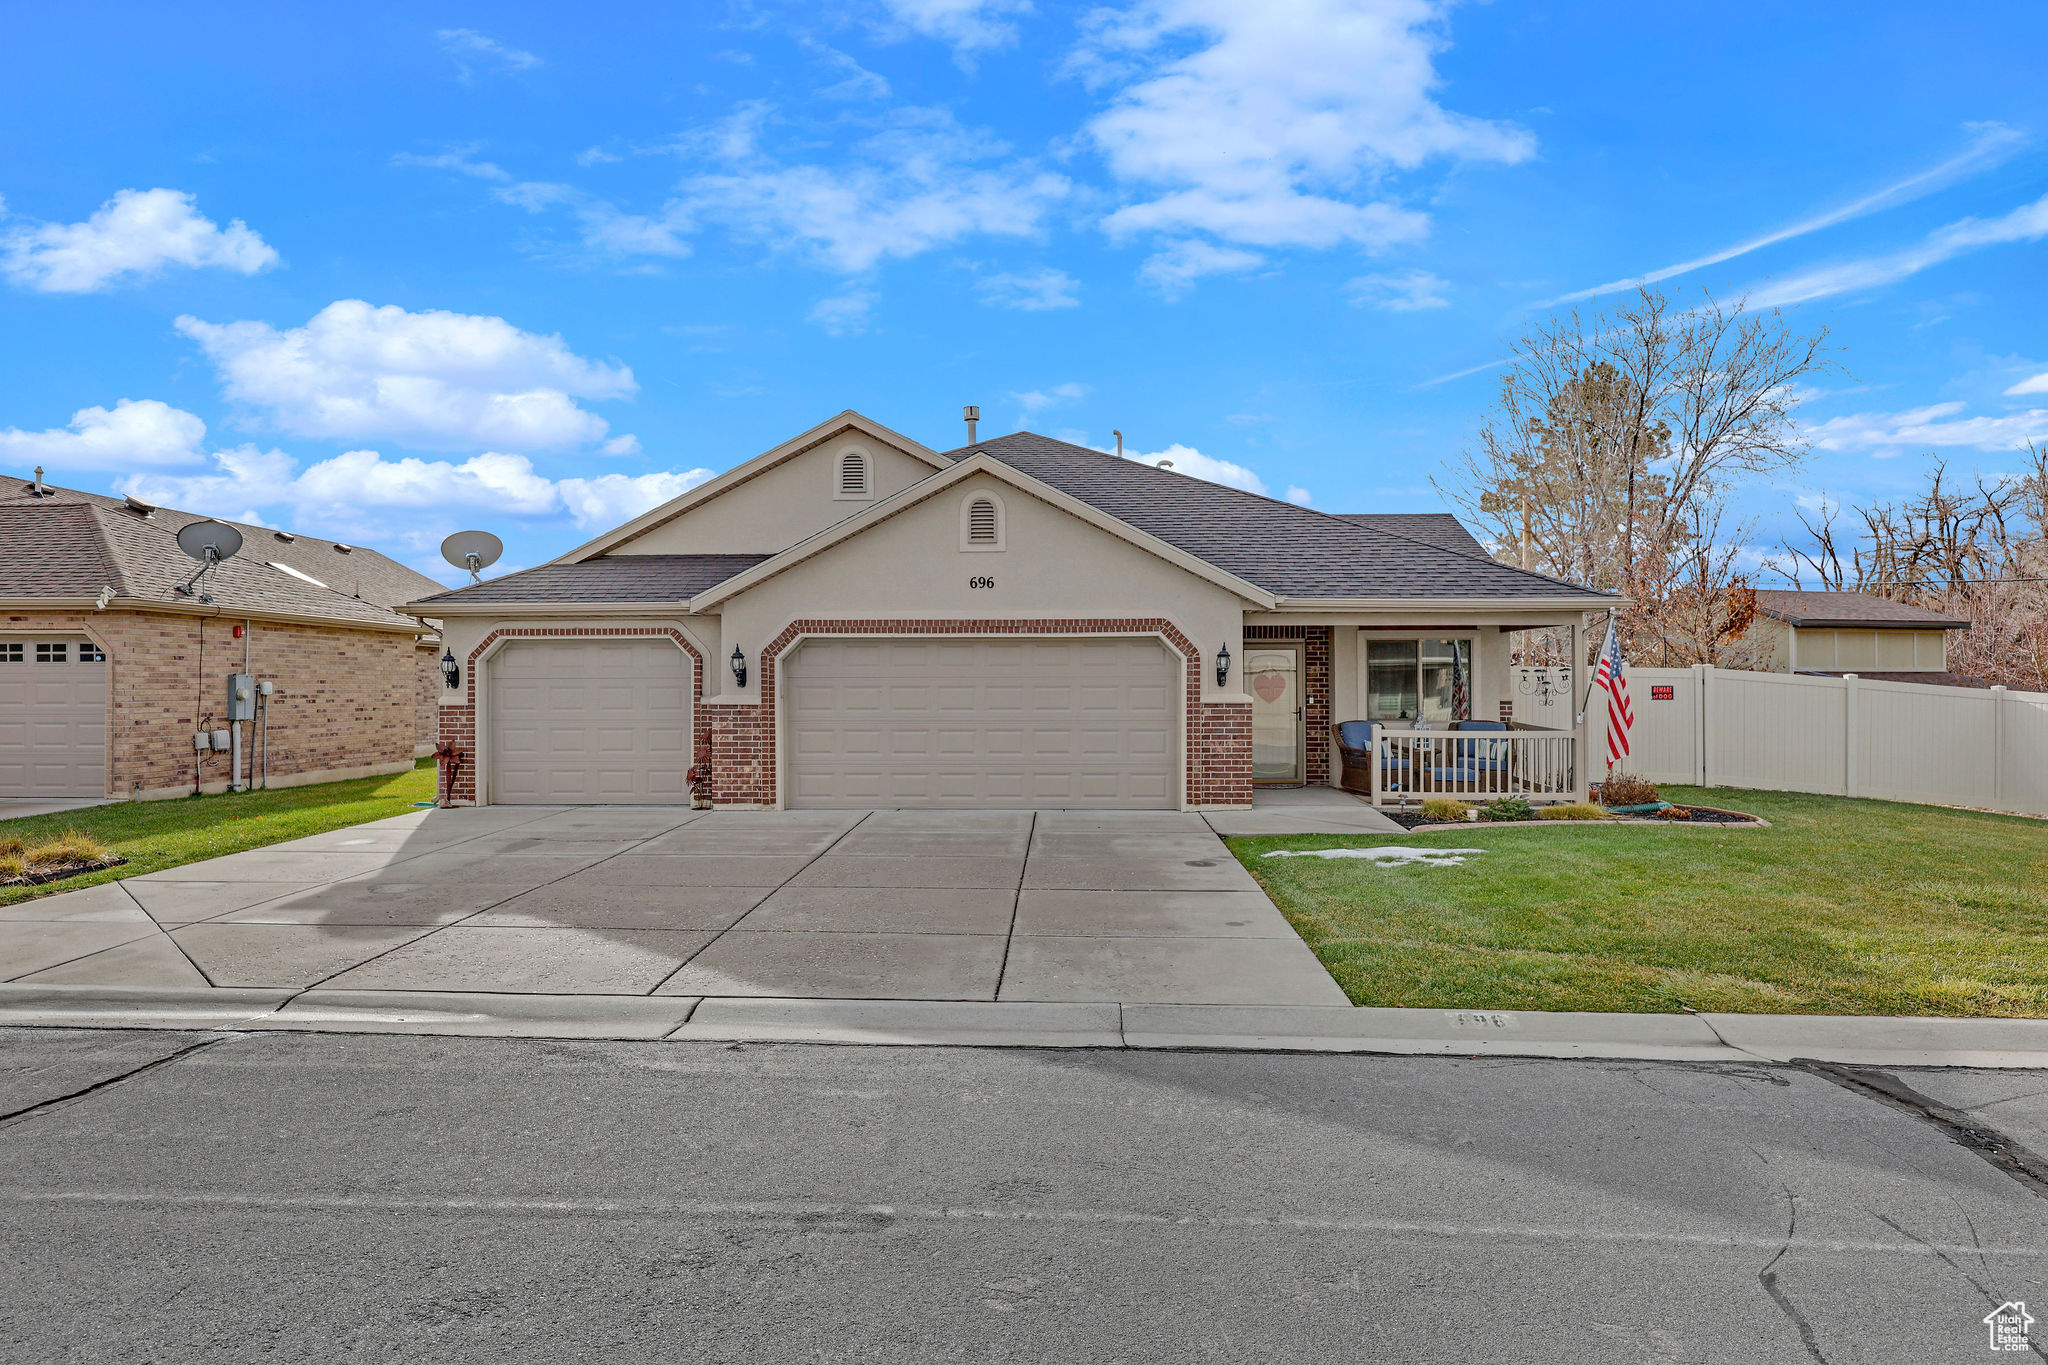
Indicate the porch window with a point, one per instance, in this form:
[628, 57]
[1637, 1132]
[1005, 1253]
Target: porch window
[1426, 679]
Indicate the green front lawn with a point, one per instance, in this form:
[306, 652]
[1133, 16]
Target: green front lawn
[153, 835]
[1843, 907]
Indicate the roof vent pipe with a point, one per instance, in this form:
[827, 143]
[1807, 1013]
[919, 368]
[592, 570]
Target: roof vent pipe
[973, 416]
[1119, 443]
[40, 491]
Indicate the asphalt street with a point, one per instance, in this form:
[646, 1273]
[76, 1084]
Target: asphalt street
[319, 1197]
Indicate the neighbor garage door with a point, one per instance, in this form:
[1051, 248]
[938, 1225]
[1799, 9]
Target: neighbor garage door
[589, 721]
[964, 723]
[53, 719]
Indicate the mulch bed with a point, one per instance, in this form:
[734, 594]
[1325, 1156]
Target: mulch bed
[1695, 815]
[58, 874]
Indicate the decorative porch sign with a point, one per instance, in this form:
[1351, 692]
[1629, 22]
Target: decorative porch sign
[1269, 686]
[1388, 855]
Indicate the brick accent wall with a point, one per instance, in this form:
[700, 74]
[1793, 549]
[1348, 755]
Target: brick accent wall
[427, 697]
[345, 700]
[1318, 683]
[1219, 743]
[458, 722]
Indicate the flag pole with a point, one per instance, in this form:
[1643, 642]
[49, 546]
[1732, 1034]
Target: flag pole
[1587, 704]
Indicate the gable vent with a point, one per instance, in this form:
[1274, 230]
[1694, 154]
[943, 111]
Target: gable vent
[853, 474]
[981, 522]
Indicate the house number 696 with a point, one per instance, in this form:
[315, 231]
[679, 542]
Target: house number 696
[982, 581]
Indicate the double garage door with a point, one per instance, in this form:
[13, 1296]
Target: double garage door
[578, 722]
[53, 719]
[982, 723]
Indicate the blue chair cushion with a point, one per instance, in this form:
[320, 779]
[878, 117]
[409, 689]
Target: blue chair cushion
[1355, 734]
[1486, 725]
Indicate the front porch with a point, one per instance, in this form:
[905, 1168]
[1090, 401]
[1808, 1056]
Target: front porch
[1393, 711]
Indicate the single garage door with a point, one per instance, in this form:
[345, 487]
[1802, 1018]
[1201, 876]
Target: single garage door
[578, 722]
[966, 723]
[53, 719]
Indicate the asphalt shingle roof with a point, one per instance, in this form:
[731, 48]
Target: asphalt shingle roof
[1289, 551]
[70, 543]
[1849, 609]
[609, 578]
[1437, 528]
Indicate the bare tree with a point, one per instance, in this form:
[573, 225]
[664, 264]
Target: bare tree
[1610, 448]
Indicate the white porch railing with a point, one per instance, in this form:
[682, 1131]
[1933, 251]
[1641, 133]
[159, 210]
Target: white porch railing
[1480, 765]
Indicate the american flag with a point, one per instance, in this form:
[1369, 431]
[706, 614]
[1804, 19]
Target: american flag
[1612, 678]
[1459, 703]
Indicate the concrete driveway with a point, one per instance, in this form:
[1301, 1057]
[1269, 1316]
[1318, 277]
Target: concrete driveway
[1137, 907]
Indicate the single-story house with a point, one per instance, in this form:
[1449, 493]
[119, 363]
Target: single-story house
[1853, 632]
[108, 671]
[853, 619]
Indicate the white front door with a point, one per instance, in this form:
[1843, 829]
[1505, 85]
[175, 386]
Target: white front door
[966, 723]
[589, 722]
[53, 719]
[1273, 676]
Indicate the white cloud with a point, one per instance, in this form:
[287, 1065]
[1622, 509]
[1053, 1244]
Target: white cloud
[471, 49]
[1405, 293]
[921, 181]
[1030, 404]
[610, 499]
[1991, 144]
[1299, 496]
[1173, 270]
[857, 83]
[429, 379]
[136, 432]
[1273, 125]
[844, 314]
[457, 159]
[2037, 384]
[1936, 425]
[969, 27]
[2027, 223]
[1029, 293]
[137, 234]
[361, 488]
[1187, 460]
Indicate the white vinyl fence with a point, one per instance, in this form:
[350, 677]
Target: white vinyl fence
[1714, 727]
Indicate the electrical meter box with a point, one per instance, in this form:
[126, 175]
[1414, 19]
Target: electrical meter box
[241, 696]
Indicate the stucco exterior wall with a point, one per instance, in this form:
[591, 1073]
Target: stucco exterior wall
[426, 697]
[1054, 566]
[776, 509]
[346, 701]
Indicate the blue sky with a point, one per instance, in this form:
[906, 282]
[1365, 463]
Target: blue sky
[383, 272]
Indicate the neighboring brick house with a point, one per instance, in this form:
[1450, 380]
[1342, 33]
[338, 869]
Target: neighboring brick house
[107, 672]
[855, 620]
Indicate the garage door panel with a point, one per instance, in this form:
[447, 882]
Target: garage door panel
[982, 723]
[53, 722]
[590, 721]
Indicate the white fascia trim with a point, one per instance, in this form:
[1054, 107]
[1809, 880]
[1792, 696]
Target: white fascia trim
[511, 610]
[91, 606]
[1505, 605]
[741, 473]
[980, 463]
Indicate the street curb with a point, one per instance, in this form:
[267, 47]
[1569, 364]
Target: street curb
[1751, 1038]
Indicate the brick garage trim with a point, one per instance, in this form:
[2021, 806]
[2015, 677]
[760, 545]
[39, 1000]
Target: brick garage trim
[458, 722]
[1318, 684]
[1216, 745]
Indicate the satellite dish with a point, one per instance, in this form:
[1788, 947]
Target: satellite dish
[472, 550]
[209, 542]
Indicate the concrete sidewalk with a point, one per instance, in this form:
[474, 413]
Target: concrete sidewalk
[1854, 1041]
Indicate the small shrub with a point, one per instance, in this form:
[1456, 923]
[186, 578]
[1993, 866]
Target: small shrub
[1626, 789]
[1445, 809]
[1507, 808]
[1675, 813]
[66, 850]
[1576, 810]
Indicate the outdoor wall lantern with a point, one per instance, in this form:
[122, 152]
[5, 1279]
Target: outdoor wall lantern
[1223, 666]
[451, 672]
[739, 666]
